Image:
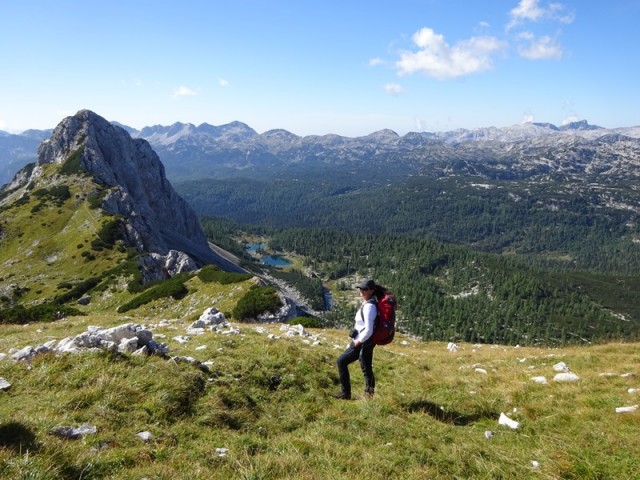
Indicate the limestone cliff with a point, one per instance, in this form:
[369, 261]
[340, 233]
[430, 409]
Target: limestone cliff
[156, 219]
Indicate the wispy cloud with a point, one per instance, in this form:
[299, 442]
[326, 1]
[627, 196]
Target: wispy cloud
[570, 119]
[393, 89]
[528, 118]
[541, 48]
[375, 62]
[532, 11]
[183, 91]
[436, 58]
[223, 83]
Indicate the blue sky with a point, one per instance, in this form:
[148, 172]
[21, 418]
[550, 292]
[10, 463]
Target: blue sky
[345, 67]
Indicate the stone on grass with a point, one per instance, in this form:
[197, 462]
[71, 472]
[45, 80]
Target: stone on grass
[540, 380]
[4, 384]
[631, 408]
[504, 420]
[73, 433]
[560, 367]
[566, 377]
[144, 436]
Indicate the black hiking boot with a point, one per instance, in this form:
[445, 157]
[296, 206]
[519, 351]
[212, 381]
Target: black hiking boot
[342, 396]
[368, 393]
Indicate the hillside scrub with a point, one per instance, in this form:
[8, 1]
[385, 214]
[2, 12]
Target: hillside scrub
[257, 301]
[262, 409]
[173, 287]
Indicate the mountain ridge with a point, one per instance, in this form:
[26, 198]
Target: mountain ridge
[237, 149]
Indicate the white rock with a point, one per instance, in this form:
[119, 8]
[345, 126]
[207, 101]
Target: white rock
[560, 367]
[566, 377]
[626, 409]
[504, 420]
[144, 436]
[24, 355]
[73, 432]
[633, 390]
[4, 384]
[128, 345]
[535, 464]
[222, 452]
[480, 370]
[488, 434]
[452, 347]
[540, 380]
[181, 339]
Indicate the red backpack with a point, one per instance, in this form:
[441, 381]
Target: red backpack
[385, 325]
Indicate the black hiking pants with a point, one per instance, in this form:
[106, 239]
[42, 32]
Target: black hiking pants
[364, 353]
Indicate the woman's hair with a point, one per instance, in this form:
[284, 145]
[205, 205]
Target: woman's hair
[379, 290]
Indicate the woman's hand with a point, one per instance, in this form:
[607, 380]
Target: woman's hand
[357, 343]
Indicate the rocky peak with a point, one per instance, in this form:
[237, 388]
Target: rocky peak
[157, 220]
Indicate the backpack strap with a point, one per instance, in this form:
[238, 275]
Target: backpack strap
[373, 300]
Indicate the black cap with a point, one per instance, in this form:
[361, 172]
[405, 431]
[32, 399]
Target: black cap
[366, 283]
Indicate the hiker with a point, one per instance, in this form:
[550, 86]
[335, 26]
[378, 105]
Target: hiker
[361, 347]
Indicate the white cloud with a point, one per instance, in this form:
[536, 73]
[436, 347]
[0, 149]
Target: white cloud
[375, 61]
[530, 10]
[570, 119]
[223, 83]
[436, 58]
[393, 89]
[528, 118]
[541, 48]
[183, 91]
[3, 124]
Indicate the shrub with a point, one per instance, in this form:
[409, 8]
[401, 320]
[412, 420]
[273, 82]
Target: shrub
[38, 313]
[73, 163]
[174, 288]
[257, 301]
[96, 198]
[306, 322]
[210, 273]
[77, 291]
[110, 232]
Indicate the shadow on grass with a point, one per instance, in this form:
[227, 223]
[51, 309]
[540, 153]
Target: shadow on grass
[446, 416]
[17, 437]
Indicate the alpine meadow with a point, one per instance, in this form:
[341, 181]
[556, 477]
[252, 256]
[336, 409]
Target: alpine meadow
[173, 307]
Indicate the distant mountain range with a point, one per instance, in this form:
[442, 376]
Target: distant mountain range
[235, 149]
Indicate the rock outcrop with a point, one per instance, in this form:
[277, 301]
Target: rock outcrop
[156, 219]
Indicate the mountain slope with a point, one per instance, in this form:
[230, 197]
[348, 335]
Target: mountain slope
[94, 208]
[259, 406]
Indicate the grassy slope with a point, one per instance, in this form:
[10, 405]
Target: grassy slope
[43, 248]
[268, 402]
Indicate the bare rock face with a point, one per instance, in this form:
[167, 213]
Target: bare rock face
[157, 220]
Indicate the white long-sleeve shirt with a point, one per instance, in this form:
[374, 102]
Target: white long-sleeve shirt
[365, 320]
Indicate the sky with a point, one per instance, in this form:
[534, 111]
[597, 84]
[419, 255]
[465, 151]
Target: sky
[347, 67]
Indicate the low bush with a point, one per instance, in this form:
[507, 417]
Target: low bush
[210, 273]
[173, 287]
[38, 313]
[306, 322]
[110, 232]
[256, 301]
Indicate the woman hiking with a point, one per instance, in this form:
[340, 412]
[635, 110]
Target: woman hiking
[361, 347]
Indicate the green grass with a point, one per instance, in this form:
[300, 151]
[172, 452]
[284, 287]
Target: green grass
[268, 402]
